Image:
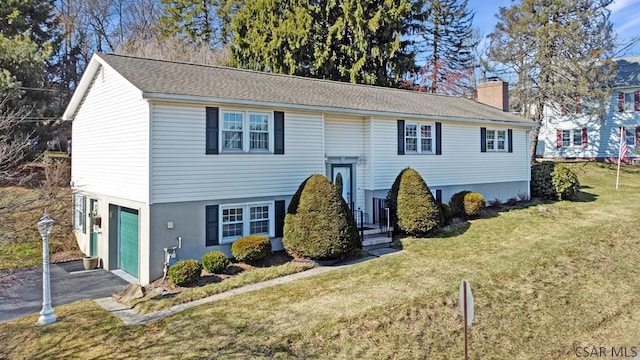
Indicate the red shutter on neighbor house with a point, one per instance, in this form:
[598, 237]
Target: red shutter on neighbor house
[559, 138]
[620, 101]
[636, 101]
[578, 103]
[563, 110]
[584, 137]
[637, 135]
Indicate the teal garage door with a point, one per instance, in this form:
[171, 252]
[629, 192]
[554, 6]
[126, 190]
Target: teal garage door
[129, 241]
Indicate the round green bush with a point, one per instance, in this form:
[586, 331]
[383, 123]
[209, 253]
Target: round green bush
[184, 272]
[553, 181]
[416, 211]
[251, 248]
[565, 182]
[318, 224]
[467, 204]
[215, 262]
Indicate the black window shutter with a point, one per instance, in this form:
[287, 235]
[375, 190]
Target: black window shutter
[280, 213]
[278, 132]
[483, 139]
[400, 137]
[510, 139]
[212, 131]
[438, 138]
[438, 195]
[211, 233]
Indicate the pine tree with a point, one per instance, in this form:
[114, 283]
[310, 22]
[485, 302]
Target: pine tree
[559, 52]
[445, 27]
[193, 20]
[347, 40]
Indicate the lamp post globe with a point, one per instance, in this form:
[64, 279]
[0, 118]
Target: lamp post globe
[46, 314]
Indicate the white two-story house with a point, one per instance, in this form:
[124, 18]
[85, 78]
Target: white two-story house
[576, 134]
[163, 150]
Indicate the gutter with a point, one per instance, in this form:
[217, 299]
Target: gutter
[327, 109]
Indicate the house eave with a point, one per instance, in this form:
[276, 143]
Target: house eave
[325, 109]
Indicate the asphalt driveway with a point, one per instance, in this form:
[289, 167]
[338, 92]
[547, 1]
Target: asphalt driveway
[21, 290]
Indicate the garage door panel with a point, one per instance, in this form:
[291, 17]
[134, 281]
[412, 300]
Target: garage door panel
[129, 241]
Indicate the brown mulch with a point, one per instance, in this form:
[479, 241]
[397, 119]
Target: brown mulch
[165, 287]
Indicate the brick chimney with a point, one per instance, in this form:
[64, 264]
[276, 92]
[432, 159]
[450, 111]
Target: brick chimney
[494, 92]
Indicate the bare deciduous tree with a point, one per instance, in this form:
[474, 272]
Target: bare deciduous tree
[14, 147]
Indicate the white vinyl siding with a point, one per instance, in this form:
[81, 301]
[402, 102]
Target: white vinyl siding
[181, 171]
[461, 161]
[603, 134]
[111, 139]
[345, 137]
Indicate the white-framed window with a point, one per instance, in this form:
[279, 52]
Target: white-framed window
[238, 220]
[496, 140]
[630, 136]
[79, 212]
[629, 102]
[419, 138]
[572, 138]
[246, 131]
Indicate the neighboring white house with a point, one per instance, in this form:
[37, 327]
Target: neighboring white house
[576, 134]
[163, 150]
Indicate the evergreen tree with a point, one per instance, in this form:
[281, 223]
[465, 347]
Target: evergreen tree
[193, 20]
[445, 27]
[559, 52]
[347, 40]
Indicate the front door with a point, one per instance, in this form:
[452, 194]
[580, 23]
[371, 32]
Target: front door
[345, 173]
[93, 247]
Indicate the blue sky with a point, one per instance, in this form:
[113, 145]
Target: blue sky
[625, 16]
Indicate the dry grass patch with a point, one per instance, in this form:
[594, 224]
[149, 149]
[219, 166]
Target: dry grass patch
[20, 242]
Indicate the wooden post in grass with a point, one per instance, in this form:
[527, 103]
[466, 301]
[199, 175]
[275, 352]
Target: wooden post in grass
[466, 305]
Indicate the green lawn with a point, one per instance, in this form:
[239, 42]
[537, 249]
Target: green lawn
[546, 278]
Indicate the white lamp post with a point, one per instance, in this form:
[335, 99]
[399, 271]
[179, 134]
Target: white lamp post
[46, 314]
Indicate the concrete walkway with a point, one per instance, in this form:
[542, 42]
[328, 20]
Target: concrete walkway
[131, 317]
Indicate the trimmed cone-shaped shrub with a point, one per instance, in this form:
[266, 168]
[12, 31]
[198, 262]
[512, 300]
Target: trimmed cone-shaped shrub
[320, 226]
[251, 248]
[447, 213]
[417, 211]
[215, 262]
[553, 181]
[184, 272]
[339, 183]
[467, 204]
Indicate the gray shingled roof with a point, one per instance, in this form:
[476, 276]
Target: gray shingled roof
[174, 78]
[628, 71]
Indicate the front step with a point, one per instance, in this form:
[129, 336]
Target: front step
[379, 240]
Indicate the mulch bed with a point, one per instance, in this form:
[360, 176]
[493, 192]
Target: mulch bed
[164, 287]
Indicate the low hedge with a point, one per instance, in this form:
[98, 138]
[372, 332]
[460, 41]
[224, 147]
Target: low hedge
[553, 181]
[184, 272]
[251, 248]
[215, 262]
